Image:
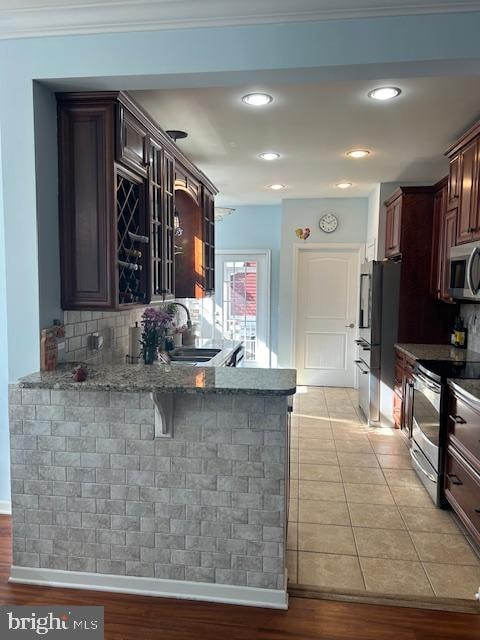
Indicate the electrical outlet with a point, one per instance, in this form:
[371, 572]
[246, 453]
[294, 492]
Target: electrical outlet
[95, 342]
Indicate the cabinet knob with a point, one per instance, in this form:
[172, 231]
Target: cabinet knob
[458, 419]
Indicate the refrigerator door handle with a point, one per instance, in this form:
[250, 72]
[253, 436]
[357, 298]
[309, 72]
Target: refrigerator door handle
[359, 365]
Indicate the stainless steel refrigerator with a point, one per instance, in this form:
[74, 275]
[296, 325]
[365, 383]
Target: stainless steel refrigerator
[377, 334]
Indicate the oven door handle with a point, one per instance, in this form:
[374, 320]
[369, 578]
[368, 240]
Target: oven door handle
[430, 476]
[430, 385]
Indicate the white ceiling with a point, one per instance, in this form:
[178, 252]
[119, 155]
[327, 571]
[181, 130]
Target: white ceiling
[25, 18]
[312, 126]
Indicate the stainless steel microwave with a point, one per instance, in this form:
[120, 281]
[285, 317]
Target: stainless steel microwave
[465, 272]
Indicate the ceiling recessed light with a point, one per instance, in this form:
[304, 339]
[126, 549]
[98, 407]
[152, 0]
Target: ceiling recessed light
[344, 185]
[269, 155]
[384, 93]
[358, 153]
[257, 99]
[276, 187]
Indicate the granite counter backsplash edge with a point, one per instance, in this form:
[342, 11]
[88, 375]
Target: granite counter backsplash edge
[437, 352]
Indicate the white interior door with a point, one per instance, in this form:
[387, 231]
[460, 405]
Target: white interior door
[242, 302]
[327, 294]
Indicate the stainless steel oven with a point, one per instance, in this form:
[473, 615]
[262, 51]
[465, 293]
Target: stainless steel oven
[425, 450]
[430, 423]
[465, 272]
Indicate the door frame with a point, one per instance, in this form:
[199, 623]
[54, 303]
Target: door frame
[358, 247]
[267, 254]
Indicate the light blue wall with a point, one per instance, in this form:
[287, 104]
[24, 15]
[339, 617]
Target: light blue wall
[145, 60]
[352, 215]
[46, 159]
[368, 48]
[4, 440]
[256, 227]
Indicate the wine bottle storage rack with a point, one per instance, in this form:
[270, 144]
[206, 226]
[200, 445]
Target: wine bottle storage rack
[131, 249]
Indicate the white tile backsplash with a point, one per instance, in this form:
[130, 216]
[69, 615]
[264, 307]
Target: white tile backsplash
[113, 326]
[471, 317]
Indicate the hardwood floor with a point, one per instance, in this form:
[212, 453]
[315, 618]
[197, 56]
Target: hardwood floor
[131, 617]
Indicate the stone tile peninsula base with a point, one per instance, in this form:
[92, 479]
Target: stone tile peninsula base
[99, 502]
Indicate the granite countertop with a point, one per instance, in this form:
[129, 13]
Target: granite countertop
[438, 352]
[467, 387]
[169, 378]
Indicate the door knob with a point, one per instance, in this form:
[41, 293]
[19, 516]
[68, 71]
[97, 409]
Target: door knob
[350, 326]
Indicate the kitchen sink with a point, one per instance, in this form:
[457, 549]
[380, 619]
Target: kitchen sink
[192, 354]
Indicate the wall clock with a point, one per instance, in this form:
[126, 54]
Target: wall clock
[328, 222]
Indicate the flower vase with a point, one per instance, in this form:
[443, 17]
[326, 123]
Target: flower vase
[150, 346]
[149, 353]
[162, 340]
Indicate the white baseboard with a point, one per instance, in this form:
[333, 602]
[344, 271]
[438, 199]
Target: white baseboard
[229, 594]
[5, 507]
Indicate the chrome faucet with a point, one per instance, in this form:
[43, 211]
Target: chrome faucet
[189, 319]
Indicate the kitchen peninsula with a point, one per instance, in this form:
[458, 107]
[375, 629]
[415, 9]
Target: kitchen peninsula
[162, 480]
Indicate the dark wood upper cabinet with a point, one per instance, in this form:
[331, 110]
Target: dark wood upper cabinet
[467, 225]
[454, 182]
[162, 273]
[443, 238]
[195, 247]
[209, 243]
[449, 235]
[189, 274]
[463, 185]
[409, 237]
[132, 142]
[184, 181]
[167, 258]
[117, 196]
[87, 204]
[439, 211]
[393, 228]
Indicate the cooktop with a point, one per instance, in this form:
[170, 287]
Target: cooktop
[442, 369]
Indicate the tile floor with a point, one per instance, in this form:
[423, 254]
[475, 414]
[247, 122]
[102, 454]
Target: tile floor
[360, 520]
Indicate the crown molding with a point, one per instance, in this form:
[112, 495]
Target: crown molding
[148, 15]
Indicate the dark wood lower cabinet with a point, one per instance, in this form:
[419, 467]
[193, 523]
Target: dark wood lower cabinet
[462, 490]
[464, 429]
[403, 394]
[462, 465]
